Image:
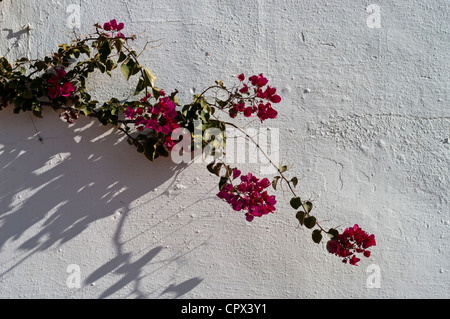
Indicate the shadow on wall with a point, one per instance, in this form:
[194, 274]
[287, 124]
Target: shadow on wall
[75, 177]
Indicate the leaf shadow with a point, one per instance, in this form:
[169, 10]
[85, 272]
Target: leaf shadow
[52, 192]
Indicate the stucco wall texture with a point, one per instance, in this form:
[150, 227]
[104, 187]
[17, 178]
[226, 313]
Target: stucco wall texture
[364, 122]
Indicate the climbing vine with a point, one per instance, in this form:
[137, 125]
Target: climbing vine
[157, 125]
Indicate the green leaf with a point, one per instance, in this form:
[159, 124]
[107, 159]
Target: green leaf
[310, 222]
[294, 181]
[283, 169]
[76, 53]
[150, 151]
[203, 102]
[205, 116]
[82, 81]
[104, 114]
[87, 111]
[64, 46]
[21, 60]
[40, 65]
[214, 168]
[317, 236]
[27, 94]
[176, 101]
[37, 111]
[221, 103]
[220, 83]
[275, 182]
[85, 49]
[5, 64]
[110, 64]
[333, 233]
[301, 217]
[223, 182]
[296, 202]
[155, 92]
[36, 83]
[140, 86]
[118, 43]
[125, 68]
[308, 207]
[140, 148]
[105, 51]
[101, 67]
[160, 150]
[149, 78]
[19, 101]
[122, 57]
[210, 168]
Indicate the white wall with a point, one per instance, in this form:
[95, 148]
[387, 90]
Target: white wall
[364, 121]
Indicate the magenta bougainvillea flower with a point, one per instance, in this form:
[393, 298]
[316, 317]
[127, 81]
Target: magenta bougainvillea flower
[169, 143]
[130, 113]
[57, 86]
[250, 195]
[352, 240]
[146, 98]
[258, 80]
[60, 73]
[53, 88]
[66, 89]
[262, 104]
[114, 26]
[161, 117]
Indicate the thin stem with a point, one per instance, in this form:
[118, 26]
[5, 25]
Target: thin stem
[115, 38]
[35, 128]
[126, 132]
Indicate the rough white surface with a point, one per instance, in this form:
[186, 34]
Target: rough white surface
[364, 120]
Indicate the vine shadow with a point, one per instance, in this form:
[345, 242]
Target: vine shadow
[53, 191]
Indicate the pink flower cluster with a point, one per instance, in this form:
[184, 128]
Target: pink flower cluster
[249, 195]
[353, 240]
[57, 86]
[114, 26]
[262, 104]
[161, 117]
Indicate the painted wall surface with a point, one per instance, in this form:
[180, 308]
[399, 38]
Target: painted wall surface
[364, 122]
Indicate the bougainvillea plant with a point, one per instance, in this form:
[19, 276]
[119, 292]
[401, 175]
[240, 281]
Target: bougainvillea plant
[151, 120]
